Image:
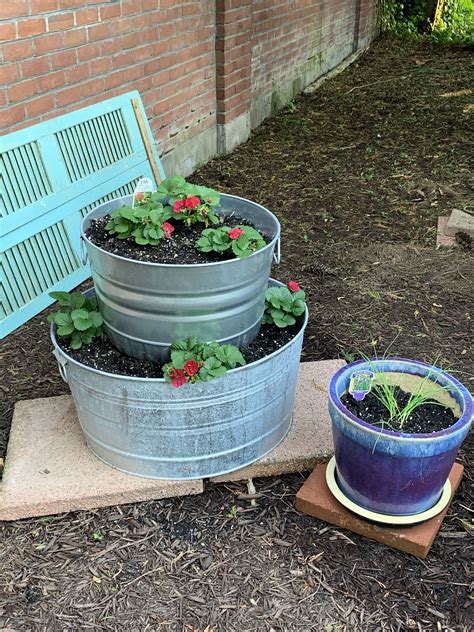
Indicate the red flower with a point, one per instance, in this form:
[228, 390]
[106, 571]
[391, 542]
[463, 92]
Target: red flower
[168, 228]
[178, 377]
[293, 285]
[192, 202]
[178, 206]
[191, 367]
[235, 233]
[139, 196]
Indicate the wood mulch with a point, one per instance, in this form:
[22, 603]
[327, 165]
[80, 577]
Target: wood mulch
[358, 173]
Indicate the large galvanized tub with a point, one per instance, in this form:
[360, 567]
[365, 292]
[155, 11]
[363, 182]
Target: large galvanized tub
[146, 306]
[146, 427]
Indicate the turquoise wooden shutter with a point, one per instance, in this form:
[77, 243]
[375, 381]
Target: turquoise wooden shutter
[51, 175]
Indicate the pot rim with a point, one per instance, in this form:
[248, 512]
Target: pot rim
[270, 244]
[162, 379]
[465, 418]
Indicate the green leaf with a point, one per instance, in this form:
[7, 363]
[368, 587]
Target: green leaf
[65, 330]
[178, 358]
[238, 252]
[96, 319]
[62, 320]
[212, 363]
[179, 345]
[233, 356]
[82, 323]
[78, 300]
[243, 242]
[79, 313]
[142, 241]
[122, 228]
[64, 298]
[218, 371]
[76, 340]
[128, 213]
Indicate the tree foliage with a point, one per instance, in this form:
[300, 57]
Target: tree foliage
[442, 20]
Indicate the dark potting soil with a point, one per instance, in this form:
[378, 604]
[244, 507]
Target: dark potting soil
[179, 249]
[426, 418]
[102, 355]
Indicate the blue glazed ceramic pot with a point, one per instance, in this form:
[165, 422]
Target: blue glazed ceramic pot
[395, 473]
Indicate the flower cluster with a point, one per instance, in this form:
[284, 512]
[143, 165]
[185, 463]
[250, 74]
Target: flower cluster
[146, 222]
[175, 199]
[283, 305]
[242, 240]
[190, 203]
[192, 361]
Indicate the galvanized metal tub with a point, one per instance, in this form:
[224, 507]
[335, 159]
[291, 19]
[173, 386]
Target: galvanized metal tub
[145, 427]
[148, 305]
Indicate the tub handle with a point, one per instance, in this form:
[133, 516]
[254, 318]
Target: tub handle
[277, 254]
[61, 360]
[84, 255]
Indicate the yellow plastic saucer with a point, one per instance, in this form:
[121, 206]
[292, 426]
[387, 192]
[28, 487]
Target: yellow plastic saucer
[384, 518]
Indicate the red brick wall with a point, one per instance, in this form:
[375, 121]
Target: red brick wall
[195, 63]
[62, 54]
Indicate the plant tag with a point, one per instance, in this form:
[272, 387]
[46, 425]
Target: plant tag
[144, 185]
[361, 384]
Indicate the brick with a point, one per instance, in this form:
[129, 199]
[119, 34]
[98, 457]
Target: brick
[9, 73]
[96, 86]
[89, 51]
[23, 90]
[315, 499]
[60, 21]
[52, 81]
[7, 31]
[34, 67]
[442, 239]
[68, 96]
[88, 16]
[78, 73]
[39, 106]
[74, 37]
[46, 437]
[11, 116]
[17, 50]
[33, 26]
[98, 32]
[12, 9]
[43, 6]
[111, 12]
[47, 44]
[115, 79]
[63, 59]
[100, 65]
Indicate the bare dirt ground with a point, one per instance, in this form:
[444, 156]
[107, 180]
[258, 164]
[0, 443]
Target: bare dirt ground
[358, 173]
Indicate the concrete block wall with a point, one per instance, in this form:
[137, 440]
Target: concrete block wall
[208, 70]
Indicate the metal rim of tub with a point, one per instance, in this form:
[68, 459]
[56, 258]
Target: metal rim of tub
[275, 241]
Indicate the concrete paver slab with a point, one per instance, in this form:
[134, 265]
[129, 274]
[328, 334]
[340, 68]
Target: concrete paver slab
[309, 440]
[49, 469]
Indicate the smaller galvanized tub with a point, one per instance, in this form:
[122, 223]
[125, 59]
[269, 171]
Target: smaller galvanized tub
[146, 427]
[146, 306]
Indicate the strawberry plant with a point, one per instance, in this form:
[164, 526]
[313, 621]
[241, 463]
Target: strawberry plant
[189, 202]
[242, 240]
[78, 318]
[283, 305]
[146, 223]
[192, 361]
